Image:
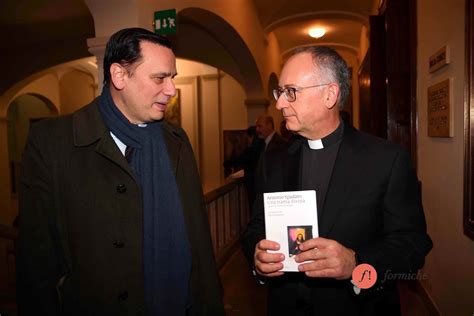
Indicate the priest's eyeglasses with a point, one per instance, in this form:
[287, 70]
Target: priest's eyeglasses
[290, 92]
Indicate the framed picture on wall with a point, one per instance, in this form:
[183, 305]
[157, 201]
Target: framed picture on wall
[173, 110]
[235, 143]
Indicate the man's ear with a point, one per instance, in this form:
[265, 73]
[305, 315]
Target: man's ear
[332, 93]
[118, 75]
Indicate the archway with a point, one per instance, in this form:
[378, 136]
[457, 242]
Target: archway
[23, 111]
[208, 38]
[44, 87]
[57, 30]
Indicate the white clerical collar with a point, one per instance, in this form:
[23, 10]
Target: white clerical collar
[315, 144]
[328, 140]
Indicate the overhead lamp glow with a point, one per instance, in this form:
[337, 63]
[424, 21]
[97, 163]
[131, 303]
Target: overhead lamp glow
[317, 32]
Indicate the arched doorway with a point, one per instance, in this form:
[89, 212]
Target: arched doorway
[206, 37]
[22, 112]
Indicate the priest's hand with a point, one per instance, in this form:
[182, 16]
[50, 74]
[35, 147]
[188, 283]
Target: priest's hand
[328, 259]
[267, 263]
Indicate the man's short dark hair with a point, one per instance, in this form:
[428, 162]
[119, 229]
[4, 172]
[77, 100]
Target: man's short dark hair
[123, 47]
[332, 65]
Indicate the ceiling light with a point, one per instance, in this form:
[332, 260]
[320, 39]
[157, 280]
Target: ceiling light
[317, 32]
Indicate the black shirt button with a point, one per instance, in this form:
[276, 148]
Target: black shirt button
[119, 244]
[121, 188]
[123, 295]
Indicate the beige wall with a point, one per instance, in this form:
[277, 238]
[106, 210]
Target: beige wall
[22, 110]
[188, 68]
[241, 14]
[210, 133]
[188, 94]
[211, 101]
[47, 85]
[232, 98]
[76, 90]
[450, 265]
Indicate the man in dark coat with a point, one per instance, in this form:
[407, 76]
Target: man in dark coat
[265, 128]
[112, 216]
[368, 200]
[273, 142]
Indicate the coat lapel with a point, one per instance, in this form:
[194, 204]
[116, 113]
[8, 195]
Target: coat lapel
[293, 164]
[88, 127]
[109, 149]
[343, 177]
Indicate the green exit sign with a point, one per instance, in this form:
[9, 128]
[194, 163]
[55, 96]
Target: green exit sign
[165, 22]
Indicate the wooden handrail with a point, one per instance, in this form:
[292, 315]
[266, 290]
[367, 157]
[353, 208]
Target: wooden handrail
[228, 214]
[220, 191]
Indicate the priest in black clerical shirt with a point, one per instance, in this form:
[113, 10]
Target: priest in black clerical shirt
[368, 200]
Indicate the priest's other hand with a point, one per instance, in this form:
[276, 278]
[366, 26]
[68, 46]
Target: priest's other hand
[328, 259]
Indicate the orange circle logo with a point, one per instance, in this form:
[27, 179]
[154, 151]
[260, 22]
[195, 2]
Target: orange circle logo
[364, 276]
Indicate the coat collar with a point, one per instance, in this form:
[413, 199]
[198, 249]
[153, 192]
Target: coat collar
[89, 128]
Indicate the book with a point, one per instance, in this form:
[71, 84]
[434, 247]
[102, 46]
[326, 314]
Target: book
[291, 217]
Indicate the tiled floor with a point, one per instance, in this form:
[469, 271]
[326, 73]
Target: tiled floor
[243, 296]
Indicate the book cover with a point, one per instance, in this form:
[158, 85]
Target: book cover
[291, 217]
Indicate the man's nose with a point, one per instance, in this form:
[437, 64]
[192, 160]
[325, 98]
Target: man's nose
[169, 88]
[281, 103]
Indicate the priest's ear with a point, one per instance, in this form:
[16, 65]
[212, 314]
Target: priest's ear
[332, 93]
[118, 74]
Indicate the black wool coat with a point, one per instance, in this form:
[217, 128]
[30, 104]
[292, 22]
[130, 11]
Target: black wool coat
[80, 243]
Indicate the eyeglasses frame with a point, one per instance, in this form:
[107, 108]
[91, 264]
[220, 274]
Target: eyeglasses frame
[277, 92]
